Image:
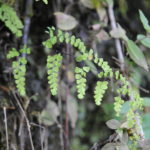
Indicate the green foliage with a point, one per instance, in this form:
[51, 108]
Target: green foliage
[80, 75]
[118, 104]
[144, 40]
[136, 54]
[146, 101]
[13, 53]
[99, 91]
[53, 65]
[146, 125]
[11, 20]
[124, 87]
[144, 21]
[107, 71]
[132, 48]
[19, 68]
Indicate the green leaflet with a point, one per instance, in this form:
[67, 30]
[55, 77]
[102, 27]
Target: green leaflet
[136, 54]
[144, 21]
[144, 40]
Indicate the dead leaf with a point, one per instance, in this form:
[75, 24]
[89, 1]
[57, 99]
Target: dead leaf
[95, 27]
[49, 115]
[102, 13]
[102, 36]
[124, 138]
[119, 33]
[65, 21]
[70, 76]
[72, 110]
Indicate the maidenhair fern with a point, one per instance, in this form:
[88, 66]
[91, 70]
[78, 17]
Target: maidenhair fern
[53, 65]
[19, 68]
[11, 20]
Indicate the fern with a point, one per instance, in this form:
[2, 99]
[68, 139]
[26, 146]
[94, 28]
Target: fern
[124, 87]
[53, 65]
[58, 36]
[99, 91]
[81, 80]
[118, 104]
[11, 20]
[19, 68]
[107, 71]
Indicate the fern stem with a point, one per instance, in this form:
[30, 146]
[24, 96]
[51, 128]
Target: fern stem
[27, 21]
[117, 41]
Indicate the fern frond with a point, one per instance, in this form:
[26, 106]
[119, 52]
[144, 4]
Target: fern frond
[107, 71]
[19, 68]
[53, 65]
[80, 75]
[118, 104]
[11, 20]
[13, 53]
[99, 91]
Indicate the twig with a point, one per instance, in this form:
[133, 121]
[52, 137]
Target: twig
[41, 137]
[26, 119]
[6, 129]
[27, 21]
[60, 124]
[141, 88]
[117, 41]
